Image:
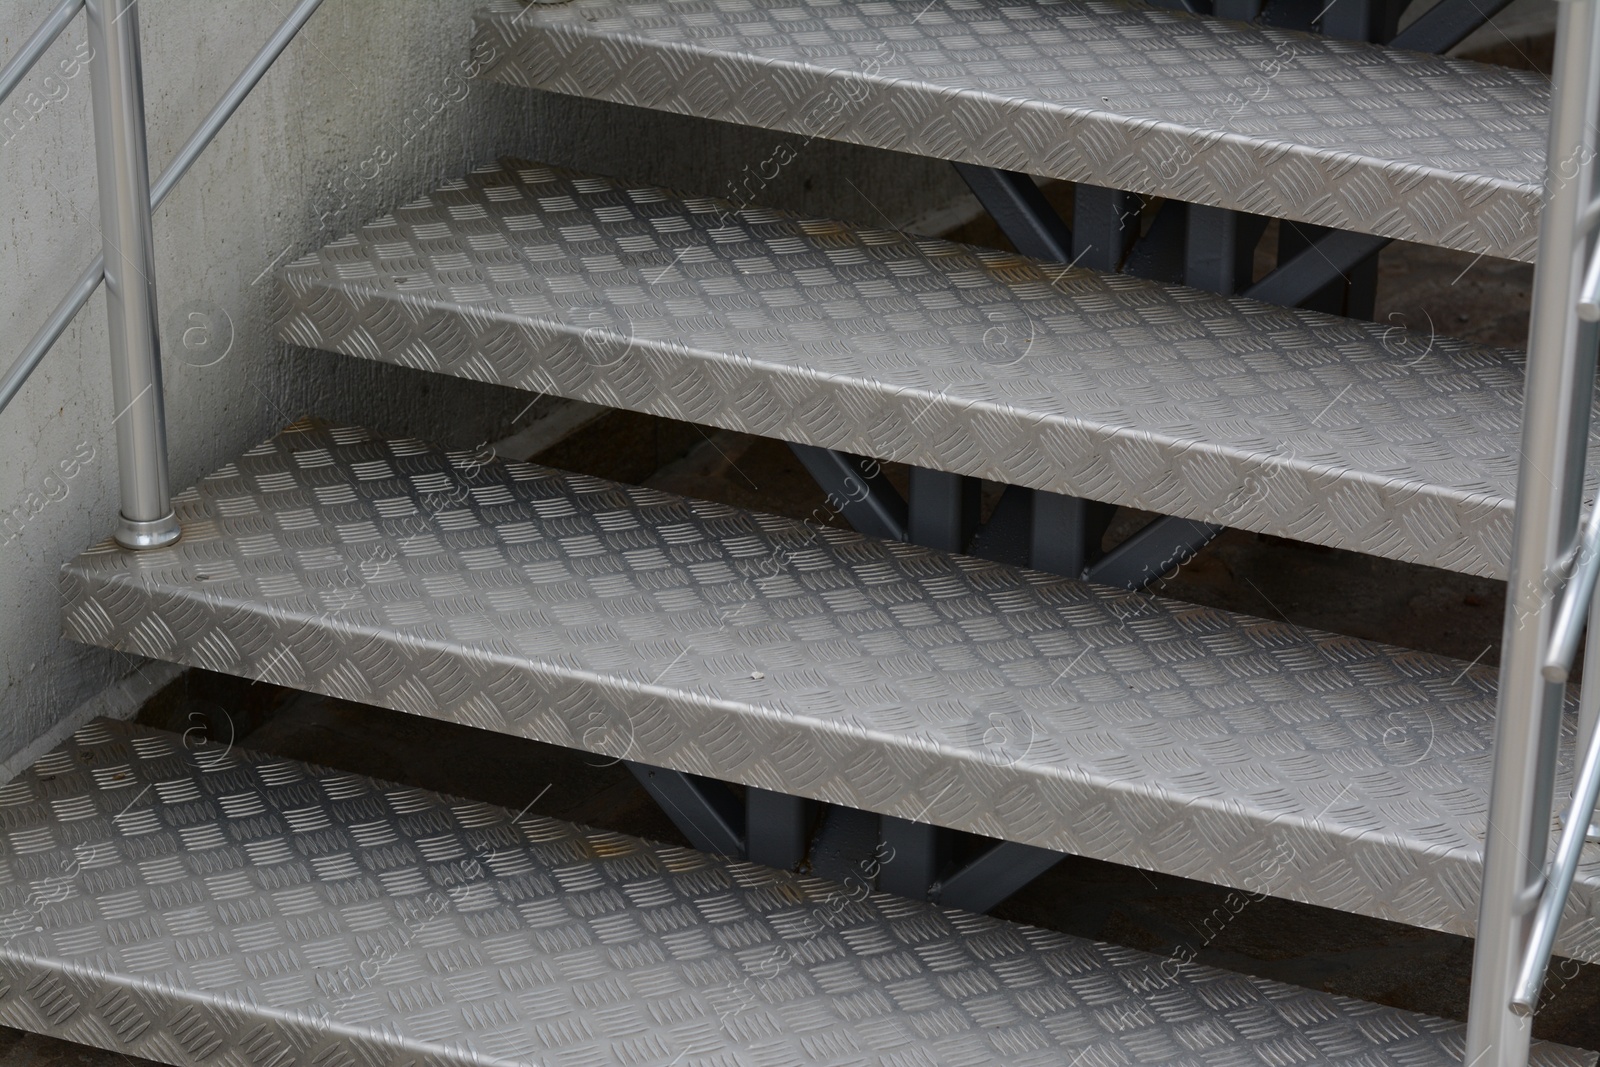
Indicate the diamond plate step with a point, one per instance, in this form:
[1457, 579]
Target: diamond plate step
[1291, 125]
[824, 664]
[1171, 400]
[201, 905]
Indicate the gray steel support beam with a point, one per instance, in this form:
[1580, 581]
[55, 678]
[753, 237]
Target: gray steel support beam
[915, 862]
[1314, 267]
[1219, 248]
[1196, 244]
[1046, 531]
[777, 828]
[1104, 224]
[1350, 20]
[913, 855]
[1007, 536]
[1211, 249]
[704, 809]
[1289, 15]
[1063, 537]
[994, 875]
[1064, 533]
[944, 509]
[856, 485]
[1238, 10]
[1147, 555]
[1017, 206]
[1446, 25]
[1159, 253]
[1361, 20]
[1361, 298]
[1296, 240]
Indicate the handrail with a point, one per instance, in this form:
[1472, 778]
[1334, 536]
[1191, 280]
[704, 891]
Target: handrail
[1589, 295]
[1512, 948]
[1558, 882]
[1575, 599]
[51, 331]
[37, 45]
[25, 364]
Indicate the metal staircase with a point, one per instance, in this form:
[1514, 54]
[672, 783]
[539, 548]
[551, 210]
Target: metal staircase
[1008, 680]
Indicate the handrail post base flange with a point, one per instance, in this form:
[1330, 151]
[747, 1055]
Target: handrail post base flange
[158, 533]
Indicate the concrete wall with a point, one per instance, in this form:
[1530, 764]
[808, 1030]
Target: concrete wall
[365, 77]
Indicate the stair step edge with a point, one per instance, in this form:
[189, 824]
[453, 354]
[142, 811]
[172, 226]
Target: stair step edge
[820, 663]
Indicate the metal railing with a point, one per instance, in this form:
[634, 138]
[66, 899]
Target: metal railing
[127, 261]
[1554, 567]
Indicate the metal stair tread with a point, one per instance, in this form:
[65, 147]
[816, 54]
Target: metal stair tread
[1358, 137]
[1173, 400]
[169, 899]
[820, 663]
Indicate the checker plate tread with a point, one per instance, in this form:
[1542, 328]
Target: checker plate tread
[1285, 422]
[1290, 125]
[201, 905]
[817, 662]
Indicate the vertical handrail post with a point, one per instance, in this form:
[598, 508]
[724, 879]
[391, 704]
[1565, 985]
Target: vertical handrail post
[117, 84]
[1557, 397]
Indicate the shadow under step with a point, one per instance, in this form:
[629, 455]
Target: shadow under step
[820, 663]
[935, 354]
[1292, 125]
[187, 905]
